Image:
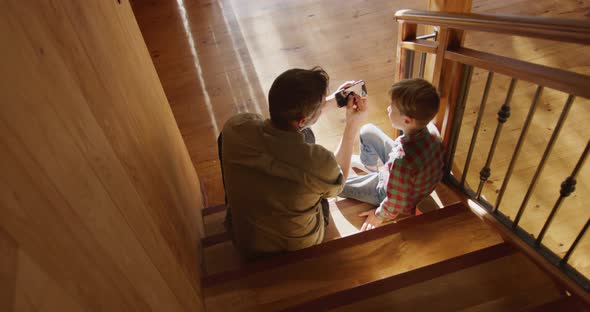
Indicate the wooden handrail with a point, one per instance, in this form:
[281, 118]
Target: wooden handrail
[555, 78]
[420, 45]
[567, 30]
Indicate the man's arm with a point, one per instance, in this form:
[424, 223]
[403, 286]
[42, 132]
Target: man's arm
[356, 112]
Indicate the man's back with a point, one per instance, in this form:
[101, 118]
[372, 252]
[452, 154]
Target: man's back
[274, 182]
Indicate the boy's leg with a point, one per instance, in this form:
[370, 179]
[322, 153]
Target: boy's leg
[363, 188]
[375, 144]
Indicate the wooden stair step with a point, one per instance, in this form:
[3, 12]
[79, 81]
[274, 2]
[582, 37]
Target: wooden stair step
[213, 218]
[303, 275]
[344, 216]
[220, 254]
[344, 213]
[497, 278]
[344, 221]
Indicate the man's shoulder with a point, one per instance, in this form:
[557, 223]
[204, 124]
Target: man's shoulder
[243, 118]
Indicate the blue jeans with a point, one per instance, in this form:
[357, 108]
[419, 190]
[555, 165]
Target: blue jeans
[370, 188]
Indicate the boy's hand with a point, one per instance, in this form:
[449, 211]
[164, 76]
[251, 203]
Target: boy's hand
[371, 222]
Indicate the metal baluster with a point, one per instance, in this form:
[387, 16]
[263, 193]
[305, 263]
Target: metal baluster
[482, 106]
[458, 116]
[429, 36]
[409, 64]
[516, 153]
[567, 187]
[422, 65]
[560, 122]
[575, 243]
[503, 115]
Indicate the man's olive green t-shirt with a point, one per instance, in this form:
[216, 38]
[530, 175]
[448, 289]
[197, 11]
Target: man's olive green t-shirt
[274, 182]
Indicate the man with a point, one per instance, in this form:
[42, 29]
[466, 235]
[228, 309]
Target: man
[275, 176]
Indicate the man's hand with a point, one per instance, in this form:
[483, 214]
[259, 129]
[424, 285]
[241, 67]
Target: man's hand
[346, 84]
[356, 109]
[371, 222]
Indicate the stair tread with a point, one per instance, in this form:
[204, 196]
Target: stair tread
[508, 283]
[344, 212]
[335, 269]
[344, 221]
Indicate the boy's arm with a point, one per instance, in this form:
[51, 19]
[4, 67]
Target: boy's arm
[399, 190]
[398, 199]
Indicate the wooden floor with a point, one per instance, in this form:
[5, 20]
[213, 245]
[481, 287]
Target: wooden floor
[218, 58]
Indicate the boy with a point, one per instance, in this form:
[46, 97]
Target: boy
[414, 159]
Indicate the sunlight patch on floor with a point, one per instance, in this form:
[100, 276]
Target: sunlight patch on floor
[191, 42]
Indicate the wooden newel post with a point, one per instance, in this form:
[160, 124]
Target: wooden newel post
[407, 31]
[444, 75]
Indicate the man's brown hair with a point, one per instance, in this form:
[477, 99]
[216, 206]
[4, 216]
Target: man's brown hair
[415, 98]
[295, 94]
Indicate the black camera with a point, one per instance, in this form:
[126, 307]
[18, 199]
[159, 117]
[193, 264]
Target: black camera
[342, 95]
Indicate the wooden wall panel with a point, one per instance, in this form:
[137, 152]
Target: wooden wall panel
[97, 190]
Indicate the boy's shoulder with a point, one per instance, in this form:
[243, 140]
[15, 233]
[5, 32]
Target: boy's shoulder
[421, 150]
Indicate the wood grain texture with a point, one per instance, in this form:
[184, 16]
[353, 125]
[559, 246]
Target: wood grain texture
[565, 30]
[533, 255]
[242, 46]
[8, 267]
[510, 283]
[97, 189]
[420, 45]
[328, 272]
[487, 280]
[344, 221]
[555, 78]
[358, 296]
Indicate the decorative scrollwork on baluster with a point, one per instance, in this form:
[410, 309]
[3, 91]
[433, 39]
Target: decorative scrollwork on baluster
[503, 115]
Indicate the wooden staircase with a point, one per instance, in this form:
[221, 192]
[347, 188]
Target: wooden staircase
[446, 259]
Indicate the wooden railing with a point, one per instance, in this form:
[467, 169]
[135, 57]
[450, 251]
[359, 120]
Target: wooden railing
[565, 30]
[451, 74]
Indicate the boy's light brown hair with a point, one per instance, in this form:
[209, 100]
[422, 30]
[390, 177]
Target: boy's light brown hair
[415, 98]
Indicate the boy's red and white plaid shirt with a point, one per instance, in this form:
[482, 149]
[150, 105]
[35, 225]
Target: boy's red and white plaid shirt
[415, 168]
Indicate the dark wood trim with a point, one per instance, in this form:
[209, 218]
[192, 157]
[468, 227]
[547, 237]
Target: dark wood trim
[555, 78]
[215, 239]
[558, 29]
[211, 210]
[531, 253]
[567, 303]
[332, 246]
[406, 279]
[420, 45]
